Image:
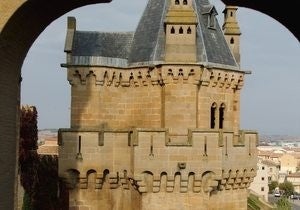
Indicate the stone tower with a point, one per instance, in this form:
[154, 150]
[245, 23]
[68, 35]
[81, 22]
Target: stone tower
[155, 115]
[232, 31]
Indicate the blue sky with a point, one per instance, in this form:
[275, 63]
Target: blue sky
[270, 100]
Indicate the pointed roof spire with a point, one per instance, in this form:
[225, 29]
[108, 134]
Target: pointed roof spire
[146, 46]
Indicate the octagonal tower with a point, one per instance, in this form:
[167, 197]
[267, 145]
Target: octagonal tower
[155, 114]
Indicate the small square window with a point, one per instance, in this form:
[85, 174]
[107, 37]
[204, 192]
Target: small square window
[263, 168]
[262, 178]
[262, 189]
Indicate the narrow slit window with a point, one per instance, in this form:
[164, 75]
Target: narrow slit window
[189, 30]
[213, 115]
[79, 144]
[232, 40]
[172, 30]
[181, 30]
[205, 146]
[221, 116]
[79, 155]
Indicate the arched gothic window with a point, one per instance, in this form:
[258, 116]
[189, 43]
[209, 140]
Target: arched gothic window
[221, 116]
[213, 115]
[189, 30]
[176, 2]
[184, 2]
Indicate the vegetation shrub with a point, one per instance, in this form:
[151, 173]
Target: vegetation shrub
[39, 173]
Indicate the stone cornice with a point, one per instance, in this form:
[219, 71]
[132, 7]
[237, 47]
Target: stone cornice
[205, 182]
[160, 75]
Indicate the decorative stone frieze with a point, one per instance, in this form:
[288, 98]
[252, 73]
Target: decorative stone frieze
[157, 76]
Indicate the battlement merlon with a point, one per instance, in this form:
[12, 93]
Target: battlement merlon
[133, 137]
[217, 76]
[70, 34]
[69, 37]
[138, 150]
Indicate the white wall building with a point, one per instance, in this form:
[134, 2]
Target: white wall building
[260, 182]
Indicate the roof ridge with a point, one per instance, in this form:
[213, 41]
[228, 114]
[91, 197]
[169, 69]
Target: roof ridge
[107, 32]
[157, 40]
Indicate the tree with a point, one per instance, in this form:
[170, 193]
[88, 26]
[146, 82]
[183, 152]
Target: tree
[28, 157]
[287, 188]
[283, 204]
[39, 173]
[272, 186]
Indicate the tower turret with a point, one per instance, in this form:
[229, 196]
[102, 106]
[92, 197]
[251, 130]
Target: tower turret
[232, 31]
[180, 26]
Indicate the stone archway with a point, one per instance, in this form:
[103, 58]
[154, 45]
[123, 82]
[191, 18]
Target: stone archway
[21, 22]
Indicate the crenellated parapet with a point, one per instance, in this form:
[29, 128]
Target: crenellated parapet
[195, 183]
[222, 79]
[148, 161]
[237, 179]
[114, 77]
[147, 182]
[74, 179]
[160, 75]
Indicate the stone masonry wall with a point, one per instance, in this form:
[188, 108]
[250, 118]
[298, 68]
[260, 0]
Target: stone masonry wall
[172, 97]
[144, 165]
[111, 104]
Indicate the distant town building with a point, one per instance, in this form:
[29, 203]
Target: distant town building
[48, 142]
[261, 181]
[294, 178]
[283, 163]
[272, 169]
[289, 163]
[48, 147]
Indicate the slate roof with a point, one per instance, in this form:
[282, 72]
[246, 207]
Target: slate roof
[146, 45]
[115, 45]
[149, 38]
[213, 41]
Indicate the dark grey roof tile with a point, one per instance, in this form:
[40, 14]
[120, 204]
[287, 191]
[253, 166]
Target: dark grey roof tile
[149, 35]
[216, 47]
[104, 44]
[147, 44]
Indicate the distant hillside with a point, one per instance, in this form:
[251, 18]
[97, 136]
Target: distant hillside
[278, 138]
[52, 130]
